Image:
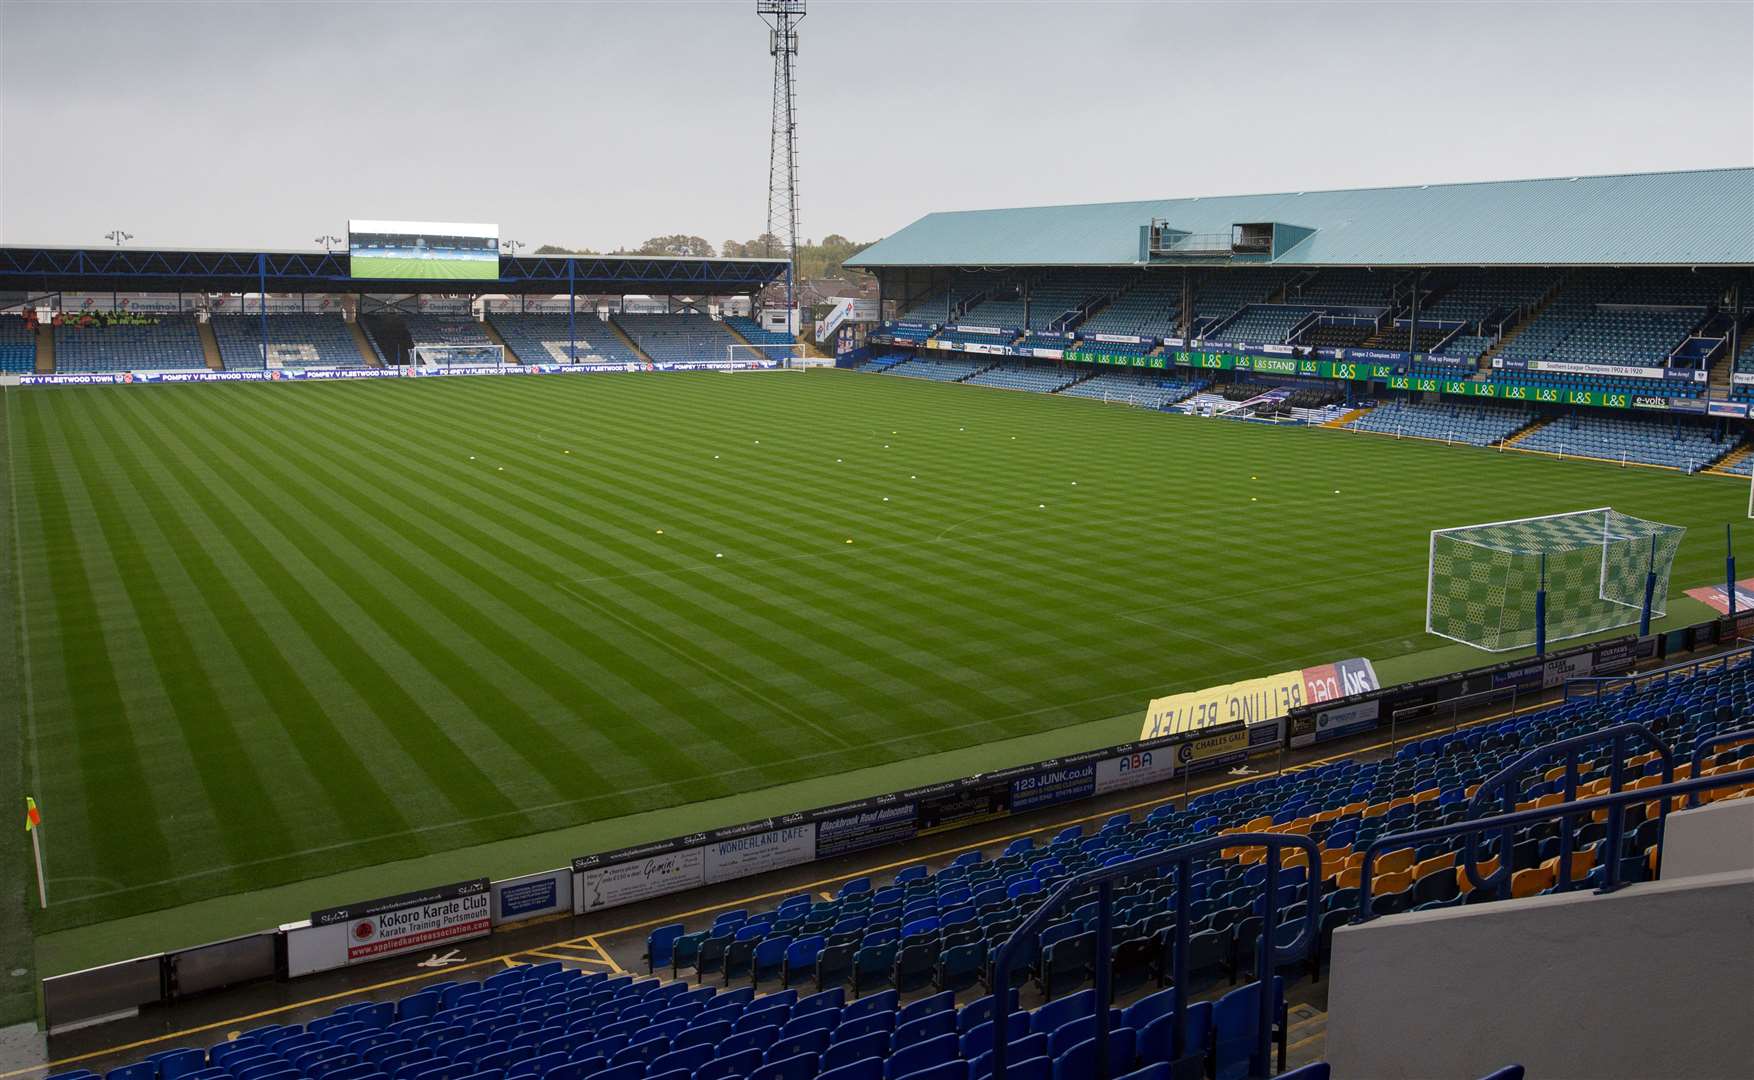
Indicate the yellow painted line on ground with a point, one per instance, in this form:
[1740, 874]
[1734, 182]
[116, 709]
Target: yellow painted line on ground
[1307, 1020]
[1317, 1037]
[591, 940]
[562, 957]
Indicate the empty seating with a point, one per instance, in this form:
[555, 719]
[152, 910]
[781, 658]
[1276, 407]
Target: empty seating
[557, 339]
[140, 343]
[18, 346]
[1477, 425]
[678, 338]
[1669, 443]
[295, 339]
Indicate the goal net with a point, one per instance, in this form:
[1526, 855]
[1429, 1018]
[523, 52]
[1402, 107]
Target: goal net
[777, 357]
[1483, 579]
[450, 356]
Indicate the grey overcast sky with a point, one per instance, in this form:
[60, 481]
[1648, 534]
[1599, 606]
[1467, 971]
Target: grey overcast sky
[601, 124]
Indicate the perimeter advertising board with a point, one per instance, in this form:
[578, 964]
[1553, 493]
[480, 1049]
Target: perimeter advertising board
[409, 922]
[1255, 701]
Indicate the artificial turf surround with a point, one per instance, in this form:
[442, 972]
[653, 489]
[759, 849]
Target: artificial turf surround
[273, 633]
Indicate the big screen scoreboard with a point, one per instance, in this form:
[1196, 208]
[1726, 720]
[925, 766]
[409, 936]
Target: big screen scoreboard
[423, 249]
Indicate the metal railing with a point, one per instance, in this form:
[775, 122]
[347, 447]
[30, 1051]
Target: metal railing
[1717, 663]
[1707, 743]
[1613, 803]
[1182, 858]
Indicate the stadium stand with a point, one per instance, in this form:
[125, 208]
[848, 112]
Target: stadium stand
[445, 330]
[1673, 444]
[678, 338]
[1145, 391]
[295, 339]
[929, 310]
[543, 339]
[18, 346]
[1036, 378]
[1220, 295]
[1346, 288]
[1595, 318]
[880, 364]
[1150, 308]
[1260, 324]
[144, 343]
[924, 367]
[842, 971]
[1477, 425]
[755, 335]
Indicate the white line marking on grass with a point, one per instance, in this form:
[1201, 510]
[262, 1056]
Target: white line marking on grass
[603, 608]
[26, 677]
[343, 845]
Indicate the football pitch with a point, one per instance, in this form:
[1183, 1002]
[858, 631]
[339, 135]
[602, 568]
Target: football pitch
[270, 632]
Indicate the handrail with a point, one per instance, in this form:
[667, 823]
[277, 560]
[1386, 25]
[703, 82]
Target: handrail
[1104, 878]
[1612, 803]
[1710, 742]
[1616, 736]
[1595, 685]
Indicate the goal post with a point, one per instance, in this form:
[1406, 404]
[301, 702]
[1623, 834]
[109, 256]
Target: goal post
[789, 356]
[1592, 568]
[450, 356]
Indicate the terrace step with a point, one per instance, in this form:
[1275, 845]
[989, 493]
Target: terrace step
[492, 333]
[1733, 458]
[1349, 417]
[209, 344]
[364, 344]
[1519, 436]
[629, 342]
[45, 349]
[1497, 347]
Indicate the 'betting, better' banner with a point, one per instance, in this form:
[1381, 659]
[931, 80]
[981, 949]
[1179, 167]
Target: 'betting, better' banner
[1253, 701]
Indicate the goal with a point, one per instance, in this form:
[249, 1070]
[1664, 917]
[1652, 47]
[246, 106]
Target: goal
[451, 356]
[1596, 568]
[787, 357]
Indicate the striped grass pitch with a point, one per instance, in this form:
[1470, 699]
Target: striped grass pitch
[275, 631]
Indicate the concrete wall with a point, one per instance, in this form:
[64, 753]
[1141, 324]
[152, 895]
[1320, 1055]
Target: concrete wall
[1652, 981]
[1714, 839]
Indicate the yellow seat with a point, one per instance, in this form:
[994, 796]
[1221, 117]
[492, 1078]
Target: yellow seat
[1384, 884]
[1531, 881]
[1390, 862]
[1350, 878]
[1433, 865]
[1582, 862]
[1486, 868]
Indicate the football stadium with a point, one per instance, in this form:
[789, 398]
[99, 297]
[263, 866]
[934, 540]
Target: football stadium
[1242, 635]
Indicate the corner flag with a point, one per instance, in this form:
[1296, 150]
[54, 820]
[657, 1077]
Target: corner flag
[33, 820]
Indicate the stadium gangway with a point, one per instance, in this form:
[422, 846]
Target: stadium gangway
[1594, 686]
[1614, 803]
[1104, 878]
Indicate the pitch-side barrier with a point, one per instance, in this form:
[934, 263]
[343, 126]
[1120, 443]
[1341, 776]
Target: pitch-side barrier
[439, 918]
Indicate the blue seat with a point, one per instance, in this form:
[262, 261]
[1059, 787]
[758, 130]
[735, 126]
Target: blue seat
[948, 1070]
[1161, 1071]
[726, 1066]
[1079, 1062]
[925, 1006]
[1235, 1020]
[1155, 1041]
[921, 1055]
[1030, 1046]
[923, 1028]
[759, 1039]
[1149, 1008]
[870, 1068]
[658, 945]
[173, 1064]
[689, 1058]
[812, 1042]
[798, 1067]
[1050, 1016]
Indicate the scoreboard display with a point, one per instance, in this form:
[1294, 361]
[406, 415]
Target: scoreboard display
[387, 250]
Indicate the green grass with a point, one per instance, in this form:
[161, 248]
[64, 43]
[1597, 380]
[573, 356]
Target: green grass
[389, 266]
[274, 633]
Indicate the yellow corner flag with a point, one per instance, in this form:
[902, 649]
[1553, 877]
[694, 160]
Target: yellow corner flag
[32, 816]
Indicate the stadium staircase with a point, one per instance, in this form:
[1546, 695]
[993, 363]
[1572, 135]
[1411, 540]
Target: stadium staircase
[45, 349]
[629, 342]
[391, 333]
[1719, 385]
[734, 332]
[1342, 421]
[492, 333]
[209, 344]
[1537, 425]
[367, 351]
[1727, 464]
[1485, 368]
